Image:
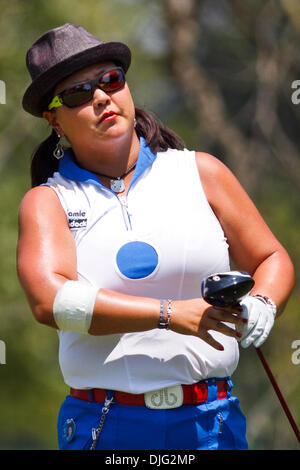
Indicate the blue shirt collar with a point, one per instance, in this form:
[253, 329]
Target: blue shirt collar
[69, 169]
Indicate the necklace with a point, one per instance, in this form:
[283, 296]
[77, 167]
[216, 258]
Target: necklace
[117, 184]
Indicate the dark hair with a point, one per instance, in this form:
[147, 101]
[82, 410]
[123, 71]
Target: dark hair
[157, 136]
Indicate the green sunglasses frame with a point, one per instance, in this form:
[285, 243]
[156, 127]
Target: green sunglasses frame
[58, 100]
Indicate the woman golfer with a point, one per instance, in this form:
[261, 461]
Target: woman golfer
[116, 236]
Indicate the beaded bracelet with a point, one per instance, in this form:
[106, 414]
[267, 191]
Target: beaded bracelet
[164, 314]
[269, 302]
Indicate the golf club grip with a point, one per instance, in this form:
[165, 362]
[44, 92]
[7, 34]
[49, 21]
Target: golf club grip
[279, 394]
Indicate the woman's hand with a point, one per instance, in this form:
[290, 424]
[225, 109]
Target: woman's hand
[260, 322]
[196, 317]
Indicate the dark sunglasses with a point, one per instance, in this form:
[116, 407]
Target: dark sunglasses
[109, 81]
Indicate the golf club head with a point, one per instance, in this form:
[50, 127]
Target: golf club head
[225, 289]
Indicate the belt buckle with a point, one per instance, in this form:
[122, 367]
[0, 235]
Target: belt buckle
[165, 398]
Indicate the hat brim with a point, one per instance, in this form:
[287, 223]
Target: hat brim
[37, 96]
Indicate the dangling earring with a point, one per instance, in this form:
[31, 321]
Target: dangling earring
[134, 122]
[59, 150]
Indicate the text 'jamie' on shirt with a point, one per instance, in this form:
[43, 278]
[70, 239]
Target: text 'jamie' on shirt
[160, 241]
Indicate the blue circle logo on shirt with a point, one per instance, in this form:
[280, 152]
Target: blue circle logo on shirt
[137, 260]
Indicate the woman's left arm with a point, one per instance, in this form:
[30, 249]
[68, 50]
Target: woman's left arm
[252, 245]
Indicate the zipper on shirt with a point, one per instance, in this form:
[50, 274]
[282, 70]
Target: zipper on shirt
[124, 206]
[126, 215]
[221, 421]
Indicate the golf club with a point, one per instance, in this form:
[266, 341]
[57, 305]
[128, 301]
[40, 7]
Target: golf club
[227, 289]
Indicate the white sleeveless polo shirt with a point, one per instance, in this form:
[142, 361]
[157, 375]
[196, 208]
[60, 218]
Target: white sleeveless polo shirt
[160, 241]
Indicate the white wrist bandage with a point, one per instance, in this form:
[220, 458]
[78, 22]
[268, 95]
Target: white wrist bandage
[74, 305]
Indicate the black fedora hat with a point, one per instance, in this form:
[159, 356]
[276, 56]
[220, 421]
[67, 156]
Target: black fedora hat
[60, 52]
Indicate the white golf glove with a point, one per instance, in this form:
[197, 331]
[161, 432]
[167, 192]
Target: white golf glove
[260, 316]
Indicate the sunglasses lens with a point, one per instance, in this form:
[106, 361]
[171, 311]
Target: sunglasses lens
[77, 95]
[112, 80]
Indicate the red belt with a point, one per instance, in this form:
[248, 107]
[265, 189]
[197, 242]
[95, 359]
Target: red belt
[192, 394]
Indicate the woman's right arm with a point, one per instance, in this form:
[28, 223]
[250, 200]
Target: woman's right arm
[46, 255]
[46, 259]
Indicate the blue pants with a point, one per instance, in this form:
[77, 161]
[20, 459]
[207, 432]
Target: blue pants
[216, 424]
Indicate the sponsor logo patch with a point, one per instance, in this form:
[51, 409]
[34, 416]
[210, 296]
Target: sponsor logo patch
[77, 220]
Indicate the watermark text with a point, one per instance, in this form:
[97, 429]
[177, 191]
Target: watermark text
[296, 353]
[296, 93]
[2, 92]
[2, 352]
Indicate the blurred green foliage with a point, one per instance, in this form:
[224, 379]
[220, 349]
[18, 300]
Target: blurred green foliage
[32, 387]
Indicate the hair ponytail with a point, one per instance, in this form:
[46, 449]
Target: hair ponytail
[43, 163]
